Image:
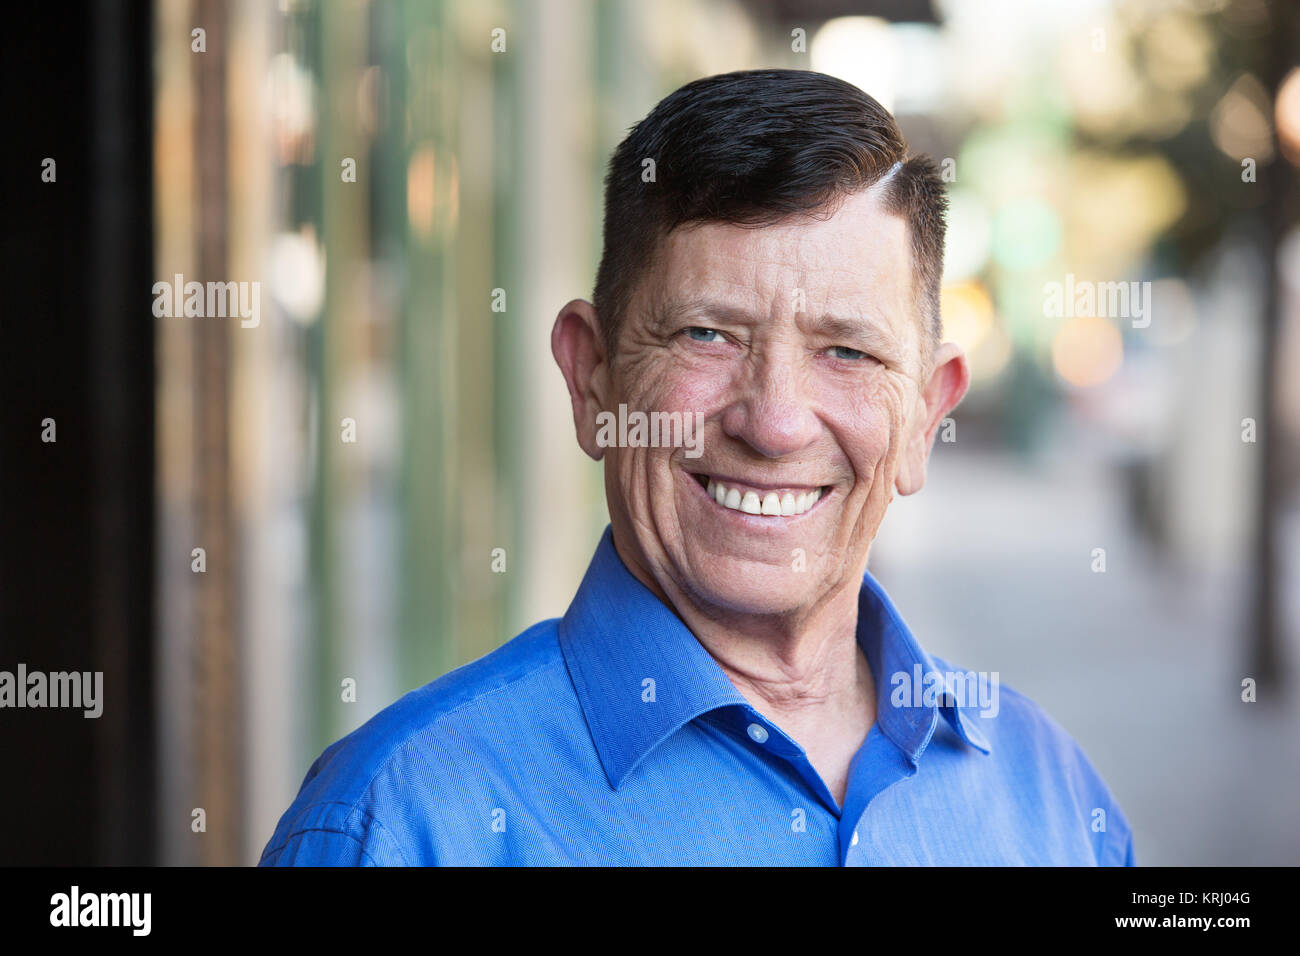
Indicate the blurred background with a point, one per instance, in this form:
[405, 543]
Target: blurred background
[264, 533]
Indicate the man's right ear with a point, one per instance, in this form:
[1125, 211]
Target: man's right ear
[579, 350]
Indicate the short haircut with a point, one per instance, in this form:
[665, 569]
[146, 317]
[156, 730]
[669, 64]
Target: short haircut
[753, 148]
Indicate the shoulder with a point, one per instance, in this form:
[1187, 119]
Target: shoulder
[352, 804]
[1033, 749]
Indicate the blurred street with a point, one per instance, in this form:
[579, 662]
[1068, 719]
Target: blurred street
[1143, 667]
[263, 533]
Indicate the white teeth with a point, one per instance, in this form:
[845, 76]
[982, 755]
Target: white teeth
[772, 504]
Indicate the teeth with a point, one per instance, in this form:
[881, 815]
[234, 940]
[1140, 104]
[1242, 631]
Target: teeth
[772, 504]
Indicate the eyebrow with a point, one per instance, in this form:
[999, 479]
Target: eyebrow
[863, 331]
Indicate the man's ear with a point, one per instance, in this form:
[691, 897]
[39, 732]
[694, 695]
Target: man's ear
[579, 349]
[940, 394]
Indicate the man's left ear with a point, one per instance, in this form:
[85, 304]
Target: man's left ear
[947, 384]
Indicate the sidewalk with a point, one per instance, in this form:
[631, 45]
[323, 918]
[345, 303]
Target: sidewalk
[990, 566]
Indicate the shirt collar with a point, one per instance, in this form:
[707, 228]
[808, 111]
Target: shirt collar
[911, 690]
[640, 674]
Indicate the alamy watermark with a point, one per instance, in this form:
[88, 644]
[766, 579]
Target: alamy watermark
[76, 689]
[197, 300]
[76, 908]
[651, 430]
[1103, 300]
[929, 689]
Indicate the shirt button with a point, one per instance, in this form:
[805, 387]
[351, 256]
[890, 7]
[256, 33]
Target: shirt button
[854, 841]
[757, 732]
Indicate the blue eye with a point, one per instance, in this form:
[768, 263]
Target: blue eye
[703, 334]
[852, 354]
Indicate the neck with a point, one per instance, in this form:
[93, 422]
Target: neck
[794, 667]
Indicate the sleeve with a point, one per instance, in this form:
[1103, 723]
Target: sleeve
[1113, 842]
[319, 848]
[1115, 846]
[332, 834]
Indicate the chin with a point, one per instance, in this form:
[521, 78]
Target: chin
[753, 587]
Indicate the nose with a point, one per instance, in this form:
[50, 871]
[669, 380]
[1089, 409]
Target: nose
[772, 412]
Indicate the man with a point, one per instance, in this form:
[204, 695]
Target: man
[730, 685]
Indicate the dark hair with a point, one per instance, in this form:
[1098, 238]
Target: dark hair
[752, 148]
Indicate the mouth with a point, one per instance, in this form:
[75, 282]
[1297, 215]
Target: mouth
[762, 501]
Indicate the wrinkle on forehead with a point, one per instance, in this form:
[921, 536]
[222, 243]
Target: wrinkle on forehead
[852, 267]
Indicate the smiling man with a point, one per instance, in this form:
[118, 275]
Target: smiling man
[730, 684]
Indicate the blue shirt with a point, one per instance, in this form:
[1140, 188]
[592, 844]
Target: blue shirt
[612, 737]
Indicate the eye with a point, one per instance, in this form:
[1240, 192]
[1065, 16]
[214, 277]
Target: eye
[844, 352]
[697, 334]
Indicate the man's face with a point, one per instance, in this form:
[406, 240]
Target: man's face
[801, 345]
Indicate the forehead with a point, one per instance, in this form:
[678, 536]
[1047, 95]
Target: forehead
[854, 265]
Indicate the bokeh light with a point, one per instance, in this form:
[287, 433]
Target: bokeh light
[859, 50]
[1087, 351]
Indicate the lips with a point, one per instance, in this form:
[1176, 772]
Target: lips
[768, 501]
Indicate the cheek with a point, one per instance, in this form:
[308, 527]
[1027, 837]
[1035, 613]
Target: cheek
[870, 428]
[684, 387]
